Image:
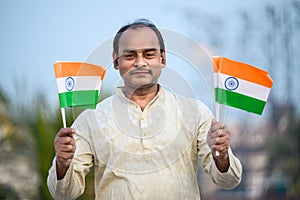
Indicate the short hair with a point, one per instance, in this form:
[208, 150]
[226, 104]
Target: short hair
[139, 23]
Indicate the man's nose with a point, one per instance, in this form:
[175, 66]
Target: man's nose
[140, 60]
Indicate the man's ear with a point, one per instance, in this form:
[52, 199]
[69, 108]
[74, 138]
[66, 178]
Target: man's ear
[115, 59]
[163, 58]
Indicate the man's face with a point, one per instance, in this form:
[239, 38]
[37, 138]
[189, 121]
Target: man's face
[139, 59]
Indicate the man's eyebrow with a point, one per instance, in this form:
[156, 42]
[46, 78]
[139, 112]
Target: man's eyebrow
[128, 51]
[137, 50]
[151, 49]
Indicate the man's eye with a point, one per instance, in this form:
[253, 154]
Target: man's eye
[150, 54]
[128, 56]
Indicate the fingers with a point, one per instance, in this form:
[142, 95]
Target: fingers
[65, 146]
[66, 132]
[65, 140]
[64, 159]
[218, 138]
[217, 125]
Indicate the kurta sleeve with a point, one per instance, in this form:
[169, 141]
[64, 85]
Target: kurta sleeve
[73, 183]
[226, 180]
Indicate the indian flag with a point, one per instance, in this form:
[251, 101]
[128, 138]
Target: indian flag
[241, 85]
[78, 83]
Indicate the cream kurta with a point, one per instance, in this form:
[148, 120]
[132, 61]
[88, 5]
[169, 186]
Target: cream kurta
[150, 154]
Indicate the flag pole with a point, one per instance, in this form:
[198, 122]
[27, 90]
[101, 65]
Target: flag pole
[217, 118]
[217, 105]
[63, 115]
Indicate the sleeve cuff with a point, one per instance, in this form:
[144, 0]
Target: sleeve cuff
[232, 177]
[58, 187]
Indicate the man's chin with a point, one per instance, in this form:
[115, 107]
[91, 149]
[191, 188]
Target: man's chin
[142, 85]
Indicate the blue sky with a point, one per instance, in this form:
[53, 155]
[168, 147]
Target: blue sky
[35, 34]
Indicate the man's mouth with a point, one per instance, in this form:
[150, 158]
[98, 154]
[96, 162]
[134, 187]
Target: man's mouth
[140, 72]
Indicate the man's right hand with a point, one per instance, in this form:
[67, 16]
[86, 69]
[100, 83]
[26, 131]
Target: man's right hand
[65, 146]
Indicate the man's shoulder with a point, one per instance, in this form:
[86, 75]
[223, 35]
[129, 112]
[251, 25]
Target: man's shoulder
[104, 102]
[185, 100]
[191, 104]
[87, 113]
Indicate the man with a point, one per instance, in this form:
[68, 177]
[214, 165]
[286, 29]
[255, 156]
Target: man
[144, 141]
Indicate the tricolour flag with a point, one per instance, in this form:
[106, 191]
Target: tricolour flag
[78, 83]
[241, 85]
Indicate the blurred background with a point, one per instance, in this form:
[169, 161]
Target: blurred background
[35, 34]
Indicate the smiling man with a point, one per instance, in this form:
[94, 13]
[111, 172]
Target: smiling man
[139, 56]
[144, 141]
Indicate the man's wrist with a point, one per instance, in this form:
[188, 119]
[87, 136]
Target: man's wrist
[222, 163]
[61, 170]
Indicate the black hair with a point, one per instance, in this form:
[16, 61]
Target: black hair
[137, 24]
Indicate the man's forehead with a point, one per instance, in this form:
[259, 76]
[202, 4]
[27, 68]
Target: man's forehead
[138, 38]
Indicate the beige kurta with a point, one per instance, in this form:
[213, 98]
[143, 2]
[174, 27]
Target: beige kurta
[149, 154]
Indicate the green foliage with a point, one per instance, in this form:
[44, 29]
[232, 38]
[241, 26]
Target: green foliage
[30, 131]
[42, 130]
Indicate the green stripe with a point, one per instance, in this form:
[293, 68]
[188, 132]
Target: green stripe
[239, 101]
[82, 98]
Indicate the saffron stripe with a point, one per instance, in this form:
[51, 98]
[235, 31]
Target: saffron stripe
[63, 69]
[242, 70]
[83, 98]
[239, 101]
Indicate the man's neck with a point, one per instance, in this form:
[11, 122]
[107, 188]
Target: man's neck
[141, 96]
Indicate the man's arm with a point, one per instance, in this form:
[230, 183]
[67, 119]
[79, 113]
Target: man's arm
[66, 178]
[225, 169]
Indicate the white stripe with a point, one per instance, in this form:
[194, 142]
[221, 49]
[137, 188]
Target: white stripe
[80, 83]
[245, 87]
